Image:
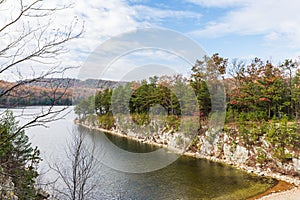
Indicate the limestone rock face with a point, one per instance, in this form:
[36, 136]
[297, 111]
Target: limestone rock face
[206, 147]
[227, 152]
[296, 163]
[240, 155]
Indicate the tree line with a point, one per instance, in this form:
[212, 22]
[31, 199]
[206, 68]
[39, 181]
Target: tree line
[256, 91]
[263, 91]
[138, 97]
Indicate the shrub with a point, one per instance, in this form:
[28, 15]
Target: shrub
[106, 121]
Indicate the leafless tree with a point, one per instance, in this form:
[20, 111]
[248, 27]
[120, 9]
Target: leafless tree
[30, 40]
[75, 175]
[31, 48]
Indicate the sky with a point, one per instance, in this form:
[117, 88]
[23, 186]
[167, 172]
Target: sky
[244, 29]
[234, 28]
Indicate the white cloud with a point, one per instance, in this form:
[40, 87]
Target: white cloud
[277, 21]
[218, 3]
[105, 19]
[155, 14]
[102, 20]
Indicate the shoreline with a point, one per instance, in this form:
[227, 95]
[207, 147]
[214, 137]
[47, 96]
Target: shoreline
[285, 184]
[280, 187]
[291, 194]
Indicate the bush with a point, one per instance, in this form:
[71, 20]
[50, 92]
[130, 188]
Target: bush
[106, 121]
[261, 157]
[230, 115]
[283, 135]
[173, 122]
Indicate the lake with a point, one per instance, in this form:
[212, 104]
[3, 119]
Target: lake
[186, 178]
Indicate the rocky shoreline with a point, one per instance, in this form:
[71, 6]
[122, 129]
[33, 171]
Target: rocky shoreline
[204, 152]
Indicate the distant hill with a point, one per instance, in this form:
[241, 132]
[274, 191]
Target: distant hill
[67, 82]
[51, 91]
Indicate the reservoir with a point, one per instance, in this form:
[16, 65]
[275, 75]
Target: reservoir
[186, 179]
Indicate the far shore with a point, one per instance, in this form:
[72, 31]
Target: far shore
[283, 189]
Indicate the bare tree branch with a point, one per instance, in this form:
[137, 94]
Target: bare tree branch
[39, 43]
[76, 178]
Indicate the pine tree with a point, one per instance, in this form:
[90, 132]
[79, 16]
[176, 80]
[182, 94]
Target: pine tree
[18, 160]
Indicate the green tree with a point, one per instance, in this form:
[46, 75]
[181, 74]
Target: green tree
[205, 76]
[85, 107]
[288, 66]
[271, 85]
[18, 159]
[119, 99]
[103, 101]
[283, 136]
[259, 88]
[296, 94]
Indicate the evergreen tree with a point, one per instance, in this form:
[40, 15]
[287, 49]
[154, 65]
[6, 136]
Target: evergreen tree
[18, 159]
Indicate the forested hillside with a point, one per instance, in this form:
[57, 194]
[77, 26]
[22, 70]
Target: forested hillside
[49, 91]
[262, 107]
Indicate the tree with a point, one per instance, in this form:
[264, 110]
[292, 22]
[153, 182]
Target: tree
[246, 92]
[32, 40]
[205, 77]
[29, 40]
[271, 87]
[18, 160]
[103, 101]
[258, 87]
[296, 94]
[76, 174]
[198, 82]
[289, 66]
[85, 107]
[118, 99]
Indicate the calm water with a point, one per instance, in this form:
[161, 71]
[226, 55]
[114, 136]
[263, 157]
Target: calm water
[187, 178]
